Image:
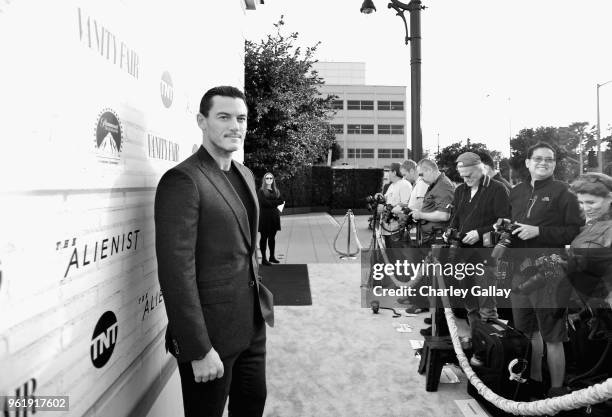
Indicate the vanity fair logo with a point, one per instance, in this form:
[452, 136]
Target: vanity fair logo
[94, 35]
[108, 135]
[104, 339]
[166, 89]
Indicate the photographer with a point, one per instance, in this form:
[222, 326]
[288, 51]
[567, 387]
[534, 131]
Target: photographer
[437, 201]
[419, 187]
[547, 216]
[397, 196]
[478, 203]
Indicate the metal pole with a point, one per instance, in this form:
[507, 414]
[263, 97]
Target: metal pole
[599, 154]
[600, 160]
[415, 78]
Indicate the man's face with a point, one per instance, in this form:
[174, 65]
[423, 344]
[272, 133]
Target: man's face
[392, 176]
[470, 175]
[226, 124]
[409, 174]
[542, 163]
[426, 174]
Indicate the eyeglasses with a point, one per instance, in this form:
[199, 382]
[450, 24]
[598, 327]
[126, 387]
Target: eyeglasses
[539, 159]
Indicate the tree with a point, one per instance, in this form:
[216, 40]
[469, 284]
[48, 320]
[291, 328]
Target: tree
[288, 118]
[448, 155]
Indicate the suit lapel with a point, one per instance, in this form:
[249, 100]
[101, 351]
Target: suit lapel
[251, 186]
[218, 179]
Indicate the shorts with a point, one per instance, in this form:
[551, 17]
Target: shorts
[551, 322]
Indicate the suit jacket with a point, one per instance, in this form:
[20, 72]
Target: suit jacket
[207, 265]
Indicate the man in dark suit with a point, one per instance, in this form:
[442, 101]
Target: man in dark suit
[206, 215]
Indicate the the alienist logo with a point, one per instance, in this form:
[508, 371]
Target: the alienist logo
[108, 137]
[104, 339]
[166, 89]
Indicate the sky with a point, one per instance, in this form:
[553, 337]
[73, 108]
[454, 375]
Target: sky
[489, 68]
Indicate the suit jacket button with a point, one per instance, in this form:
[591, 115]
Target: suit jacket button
[251, 283]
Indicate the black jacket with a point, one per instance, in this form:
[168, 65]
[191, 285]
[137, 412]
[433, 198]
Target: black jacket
[550, 206]
[480, 212]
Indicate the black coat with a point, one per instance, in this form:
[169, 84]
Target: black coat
[207, 266]
[269, 216]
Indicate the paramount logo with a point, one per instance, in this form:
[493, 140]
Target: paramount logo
[108, 137]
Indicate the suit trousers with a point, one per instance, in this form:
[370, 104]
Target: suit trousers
[244, 381]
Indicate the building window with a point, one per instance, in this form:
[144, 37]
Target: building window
[338, 128]
[338, 105]
[390, 129]
[360, 105]
[391, 153]
[360, 129]
[384, 129]
[360, 153]
[397, 153]
[390, 105]
[384, 153]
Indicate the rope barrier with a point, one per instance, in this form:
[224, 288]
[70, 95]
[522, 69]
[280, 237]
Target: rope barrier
[577, 399]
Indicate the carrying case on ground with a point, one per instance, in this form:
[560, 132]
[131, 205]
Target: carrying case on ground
[497, 345]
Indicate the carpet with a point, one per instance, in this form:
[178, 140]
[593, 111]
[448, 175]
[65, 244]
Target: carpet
[289, 283]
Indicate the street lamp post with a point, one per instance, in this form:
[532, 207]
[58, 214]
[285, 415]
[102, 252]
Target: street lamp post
[599, 153]
[414, 7]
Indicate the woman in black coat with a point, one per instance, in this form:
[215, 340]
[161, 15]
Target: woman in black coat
[269, 216]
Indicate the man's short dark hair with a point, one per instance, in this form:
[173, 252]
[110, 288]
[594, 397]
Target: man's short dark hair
[428, 163]
[485, 157]
[395, 168]
[409, 165]
[223, 91]
[541, 145]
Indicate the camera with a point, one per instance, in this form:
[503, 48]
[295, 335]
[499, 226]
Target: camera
[539, 271]
[372, 201]
[503, 233]
[453, 237]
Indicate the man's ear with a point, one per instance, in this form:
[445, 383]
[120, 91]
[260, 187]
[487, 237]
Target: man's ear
[200, 119]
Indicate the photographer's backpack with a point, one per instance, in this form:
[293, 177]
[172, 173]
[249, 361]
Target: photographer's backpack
[498, 345]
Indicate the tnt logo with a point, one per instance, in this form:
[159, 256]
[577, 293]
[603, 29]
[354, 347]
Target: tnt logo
[104, 339]
[24, 391]
[166, 89]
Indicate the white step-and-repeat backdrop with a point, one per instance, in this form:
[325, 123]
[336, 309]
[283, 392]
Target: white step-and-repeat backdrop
[97, 100]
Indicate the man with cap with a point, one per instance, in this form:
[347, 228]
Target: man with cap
[478, 203]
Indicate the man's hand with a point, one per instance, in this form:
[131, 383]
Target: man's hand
[416, 214]
[526, 231]
[209, 368]
[471, 237]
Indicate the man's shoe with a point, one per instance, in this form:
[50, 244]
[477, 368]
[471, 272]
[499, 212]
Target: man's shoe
[557, 391]
[476, 361]
[535, 389]
[273, 260]
[265, 262]
[427, 320]
[466, 342]
[426, 332]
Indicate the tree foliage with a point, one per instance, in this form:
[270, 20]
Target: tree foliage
[448, 155]
[565, 140]
[288, 118]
